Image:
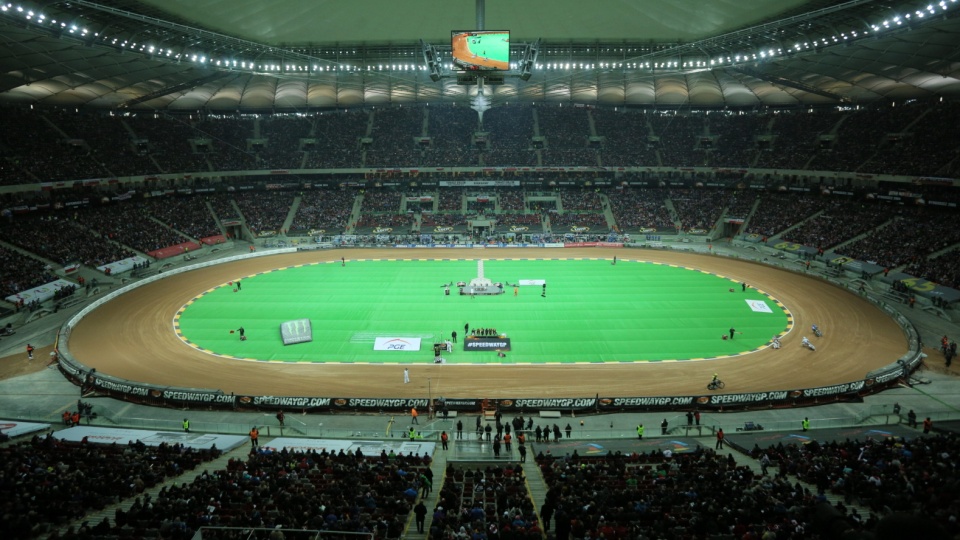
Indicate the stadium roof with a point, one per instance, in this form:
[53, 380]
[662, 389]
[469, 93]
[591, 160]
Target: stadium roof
[295, 55]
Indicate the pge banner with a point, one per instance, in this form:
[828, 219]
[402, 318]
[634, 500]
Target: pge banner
[396, 344]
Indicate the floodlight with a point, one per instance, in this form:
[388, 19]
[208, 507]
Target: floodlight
[529, 60]
[431, 60]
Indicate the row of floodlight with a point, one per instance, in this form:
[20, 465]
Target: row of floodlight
[39, 18]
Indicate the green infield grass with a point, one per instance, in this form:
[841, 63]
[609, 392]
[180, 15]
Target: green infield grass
[593, 312]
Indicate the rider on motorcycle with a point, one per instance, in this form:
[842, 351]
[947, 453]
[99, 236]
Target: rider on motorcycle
[816, 330]
[806, 343]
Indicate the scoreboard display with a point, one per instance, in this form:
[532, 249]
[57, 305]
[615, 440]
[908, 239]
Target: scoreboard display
[481, 50]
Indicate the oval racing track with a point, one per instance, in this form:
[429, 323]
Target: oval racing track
[132, 337]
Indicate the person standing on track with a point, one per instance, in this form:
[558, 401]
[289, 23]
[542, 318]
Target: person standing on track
[719, 439]
[255, 437]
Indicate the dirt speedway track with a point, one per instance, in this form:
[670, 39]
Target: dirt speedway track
[132, 337]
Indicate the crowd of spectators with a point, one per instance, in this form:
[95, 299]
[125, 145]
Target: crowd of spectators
[381, 201]
[61, 238]
[511, 129]
[124, 223]
[636, 209]
[222, 204]
[699, 494]
[110, 229]
[443, 220]
[679, 134]
[451, 200]
[451, 129]
[625, 138]
[264, 212]
[860, 135]
[337, 135]
[283, 134]
[795, 138]
[484, 503]
[698, 208]
[480, 205]
[35, 147]
[52, 482]
[588, 201]
[735, 144]
[188, 215]
[511, 200]
[594, 220]
[228, 136]
[395, 130]
[20, 272]
[398, 222]
[567, 131]
[917, 138]
[345, 492]
[323, 210]
[740, 203]
[914, 234]
[167, 139]
[545, 202]
[925, 149]
[110, 143]
[509, 220]
[839, 221]
[942, 269]
[777, 211]
[913, 476]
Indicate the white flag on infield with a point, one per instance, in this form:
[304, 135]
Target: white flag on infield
[759, 306]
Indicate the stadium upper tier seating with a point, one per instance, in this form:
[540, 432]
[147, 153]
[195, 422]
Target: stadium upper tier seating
[47, 145]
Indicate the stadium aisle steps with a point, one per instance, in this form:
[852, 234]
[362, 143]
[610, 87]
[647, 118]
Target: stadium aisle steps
[439, 468]
[96, 516]
[537, 488]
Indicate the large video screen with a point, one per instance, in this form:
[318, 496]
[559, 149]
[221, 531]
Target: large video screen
[481, 50]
